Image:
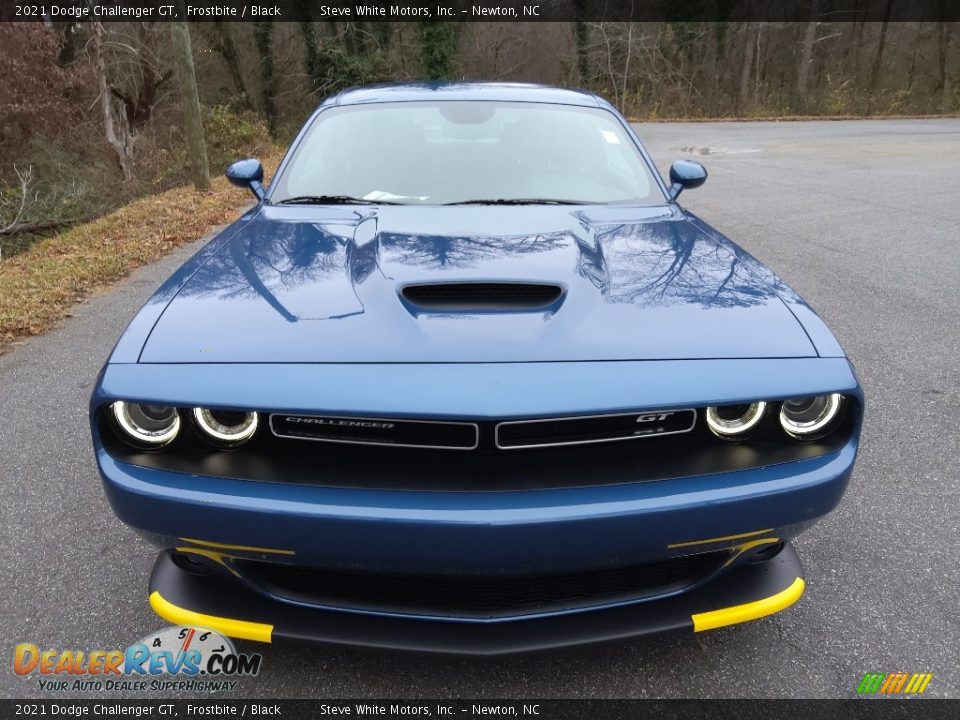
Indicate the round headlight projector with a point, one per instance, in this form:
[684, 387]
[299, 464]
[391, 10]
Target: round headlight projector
[808, 418]
[145, 425]
[227, 428]
[733, 422]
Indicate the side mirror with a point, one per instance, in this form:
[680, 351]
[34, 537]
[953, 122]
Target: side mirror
[685, 174]
[249, 174]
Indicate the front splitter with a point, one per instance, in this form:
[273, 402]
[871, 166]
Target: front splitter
[744, 593]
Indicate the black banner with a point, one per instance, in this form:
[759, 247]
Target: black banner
[479, 10]
[533, 709]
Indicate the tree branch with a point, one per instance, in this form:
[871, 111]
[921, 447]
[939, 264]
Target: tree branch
[25, 177]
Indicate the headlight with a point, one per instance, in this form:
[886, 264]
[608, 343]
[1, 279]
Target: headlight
[226, 427]
[732, 422]
[146, 425]
[808, 418]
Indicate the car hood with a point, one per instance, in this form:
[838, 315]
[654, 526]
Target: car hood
[309, 284]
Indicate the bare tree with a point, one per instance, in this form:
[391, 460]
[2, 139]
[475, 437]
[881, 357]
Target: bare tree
[581, 32]
[806, 57]
[263, 34]
[496, 49]
[25, 178]
[115, 127]
[626, 65]
[911, 73]
[943, 79]
[224, 45]
[190, 100]
[746, 66]
[881, 43]
[607, 42]
[131, 65]
[142, 70]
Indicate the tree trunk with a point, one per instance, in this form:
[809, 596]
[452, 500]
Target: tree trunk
[878, 58]
[383, 33]
[745, 69]
[761, 74]
[311, 56]
[581, 33]
[190, 100]
[626, 69]
[806, 58]
[228, 51]
[263, 32]
[716, 61]
[943, 46]
[122, 141]
[912, 71]
[851, 54]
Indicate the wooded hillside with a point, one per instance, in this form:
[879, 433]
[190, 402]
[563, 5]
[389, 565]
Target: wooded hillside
[90, 116]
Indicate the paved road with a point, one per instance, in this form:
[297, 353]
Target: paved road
[863, 218]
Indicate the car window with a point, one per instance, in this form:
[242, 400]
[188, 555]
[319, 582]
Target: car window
[461, 151]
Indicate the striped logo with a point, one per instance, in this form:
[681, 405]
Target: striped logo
[894, 683]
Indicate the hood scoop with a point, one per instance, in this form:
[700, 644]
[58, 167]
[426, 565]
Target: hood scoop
[480, 297]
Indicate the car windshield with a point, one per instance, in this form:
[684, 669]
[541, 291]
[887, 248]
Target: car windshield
[451, 152]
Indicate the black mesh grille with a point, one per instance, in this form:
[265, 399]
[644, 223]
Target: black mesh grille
[480, 596]
[482, 296]
[377, 431]
[601, 428]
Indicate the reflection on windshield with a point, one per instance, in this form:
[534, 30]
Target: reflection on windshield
[455, 152]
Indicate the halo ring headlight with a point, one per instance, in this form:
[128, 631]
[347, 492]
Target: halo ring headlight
[807, 418]
[146, 425]
[226, 427]
[735, 426]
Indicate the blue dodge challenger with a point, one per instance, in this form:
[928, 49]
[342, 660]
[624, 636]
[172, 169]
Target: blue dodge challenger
[466, 378]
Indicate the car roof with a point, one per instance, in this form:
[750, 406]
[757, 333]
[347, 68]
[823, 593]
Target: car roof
[503, 92]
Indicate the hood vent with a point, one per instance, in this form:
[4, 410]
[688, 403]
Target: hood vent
[481, 297]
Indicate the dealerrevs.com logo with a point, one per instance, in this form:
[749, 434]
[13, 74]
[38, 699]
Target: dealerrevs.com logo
[176, 658]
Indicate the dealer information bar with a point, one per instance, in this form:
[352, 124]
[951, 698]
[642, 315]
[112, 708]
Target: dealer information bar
[473, 10]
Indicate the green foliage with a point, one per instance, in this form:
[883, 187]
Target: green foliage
[233, 135]
[438, 49]
[331, 67]
[311, 55]
[230, 135]
[581, 36]
[263, 34]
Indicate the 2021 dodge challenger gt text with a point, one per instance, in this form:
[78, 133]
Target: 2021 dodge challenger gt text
[467, 378]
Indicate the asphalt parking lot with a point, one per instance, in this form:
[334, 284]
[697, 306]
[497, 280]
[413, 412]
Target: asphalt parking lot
[862, 218]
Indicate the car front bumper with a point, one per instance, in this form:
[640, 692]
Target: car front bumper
[745, 593]
[210, 520]
[536, 531]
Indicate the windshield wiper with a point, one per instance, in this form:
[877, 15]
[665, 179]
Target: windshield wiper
[519, 201]
[332, 200]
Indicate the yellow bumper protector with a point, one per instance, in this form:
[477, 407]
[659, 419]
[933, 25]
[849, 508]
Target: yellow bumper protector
[213, 555]
[749, 611]
[708, 541]
[243, 629]
[246, 548]
[739, 550]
